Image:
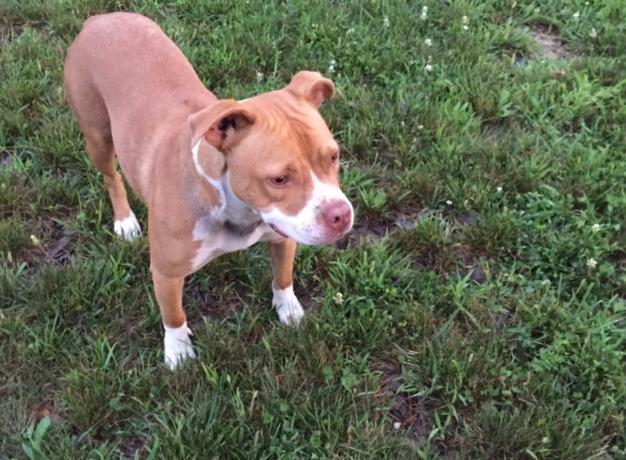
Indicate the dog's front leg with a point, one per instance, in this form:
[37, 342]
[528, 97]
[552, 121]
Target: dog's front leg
[169, 295]
[282, 254]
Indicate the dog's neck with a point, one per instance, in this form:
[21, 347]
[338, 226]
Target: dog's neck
[225, 206]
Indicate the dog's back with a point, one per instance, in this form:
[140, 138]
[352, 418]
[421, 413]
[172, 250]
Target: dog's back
[125, 79]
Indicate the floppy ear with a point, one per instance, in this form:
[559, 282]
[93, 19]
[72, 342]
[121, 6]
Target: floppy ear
[312, 87]
[222, 124]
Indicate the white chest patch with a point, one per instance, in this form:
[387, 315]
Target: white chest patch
[216, 239]
[220, 231]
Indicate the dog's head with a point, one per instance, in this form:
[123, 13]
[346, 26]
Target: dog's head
[281, 159]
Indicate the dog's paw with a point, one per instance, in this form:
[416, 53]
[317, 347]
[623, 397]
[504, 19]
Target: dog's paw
[177, 346]
[128, 228]
[287, 306]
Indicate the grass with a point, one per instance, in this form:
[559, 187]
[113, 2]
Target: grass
[482, 310]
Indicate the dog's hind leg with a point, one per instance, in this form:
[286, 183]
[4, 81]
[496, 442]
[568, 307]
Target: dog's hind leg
[93, 119]
[101, 152]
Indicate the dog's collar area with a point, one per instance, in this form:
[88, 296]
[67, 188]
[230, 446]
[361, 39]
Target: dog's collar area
[241, 230]
[278, 231]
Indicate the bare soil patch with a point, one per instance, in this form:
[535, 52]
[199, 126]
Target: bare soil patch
[55, 245]
[371, 229]
[549, 43]
[409, 412]
[212, 302]
[8, 33]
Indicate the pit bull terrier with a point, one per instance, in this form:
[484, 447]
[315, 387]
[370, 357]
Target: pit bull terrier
[217, 175]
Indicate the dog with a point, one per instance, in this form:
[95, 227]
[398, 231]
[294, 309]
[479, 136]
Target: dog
[216, 175]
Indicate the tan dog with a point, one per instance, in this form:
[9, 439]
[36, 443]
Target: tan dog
[216, 175]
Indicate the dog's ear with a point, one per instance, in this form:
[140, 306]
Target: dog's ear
[312, 87]
[222, 124]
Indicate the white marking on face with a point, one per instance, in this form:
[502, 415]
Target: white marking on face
[128, 228]
[177, 345]
[306, 226]
[287, 305]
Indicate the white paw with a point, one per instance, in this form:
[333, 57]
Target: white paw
[128, 228]
[287, 306]
[177, 345]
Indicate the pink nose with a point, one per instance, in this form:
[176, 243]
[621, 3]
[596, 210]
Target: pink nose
[337, 216]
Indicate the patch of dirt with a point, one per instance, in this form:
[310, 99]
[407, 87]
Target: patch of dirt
[371, 229]
[408, 221]
[308, 296]
[44, 410]
[409, 412]
[206, 302]
[549, 43]
[498, 132]
[441, 260]
[446, 259]
[53, 244]
[467, 217]
[5, 155]
[131, 447]
[502, 320]
[478, 275]
[366, 231]
[220, 300]
[48, 407]
[8, 33]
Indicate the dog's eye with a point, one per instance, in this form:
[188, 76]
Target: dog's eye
[280, 180]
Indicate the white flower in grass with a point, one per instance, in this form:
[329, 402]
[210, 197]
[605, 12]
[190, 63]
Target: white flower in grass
[466, 28]
[592, 263]
[35, 240]
[593, 33]
[350, 31]
[428, 68]
[338, 298]
[595, 228]
[331, 67]
[499, 189]
[420, 127]
[428, 42]
[424, 14]
[576, 16]
[449, 202]
[386, 22]
[465, 20]
[397, 425]
[259, 77]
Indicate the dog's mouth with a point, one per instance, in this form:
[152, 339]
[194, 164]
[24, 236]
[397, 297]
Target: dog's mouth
[277, 230]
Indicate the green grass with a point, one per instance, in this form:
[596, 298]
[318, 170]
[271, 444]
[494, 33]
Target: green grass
[493, 328]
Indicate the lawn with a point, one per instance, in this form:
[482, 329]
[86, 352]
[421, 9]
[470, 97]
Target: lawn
[477, 310]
